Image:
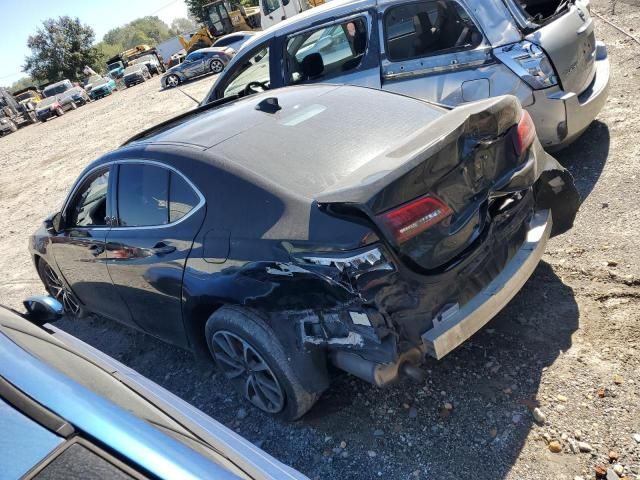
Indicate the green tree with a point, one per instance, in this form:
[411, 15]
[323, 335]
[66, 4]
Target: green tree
[23, 82]
[183, 25]
[142, 31]
[60, 49]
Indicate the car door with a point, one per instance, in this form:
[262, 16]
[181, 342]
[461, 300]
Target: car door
[273, 12]
[434, 50]
[159, 212]
[342, 51]
[193, 65]
[79, 248]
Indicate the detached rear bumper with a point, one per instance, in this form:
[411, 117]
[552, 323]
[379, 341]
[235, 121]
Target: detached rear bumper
[577, 110]
[449, 333]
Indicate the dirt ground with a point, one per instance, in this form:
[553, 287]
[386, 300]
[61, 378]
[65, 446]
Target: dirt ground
[569, 343]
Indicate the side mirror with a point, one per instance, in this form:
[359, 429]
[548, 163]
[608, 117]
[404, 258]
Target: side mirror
[42, 309]
[54, 224]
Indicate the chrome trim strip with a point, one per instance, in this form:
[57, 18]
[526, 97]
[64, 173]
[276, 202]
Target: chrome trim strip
[200, 204]
[448, 334]
[436, 69]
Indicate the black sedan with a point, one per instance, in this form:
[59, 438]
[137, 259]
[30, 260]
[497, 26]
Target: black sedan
[310, 225]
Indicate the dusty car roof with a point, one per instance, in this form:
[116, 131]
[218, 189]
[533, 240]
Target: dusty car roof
[319, 135]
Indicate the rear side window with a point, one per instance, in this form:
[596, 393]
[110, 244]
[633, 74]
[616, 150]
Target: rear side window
[150, 195]
[428, 28]
[143, 195]
[182, 198]
[327, 52]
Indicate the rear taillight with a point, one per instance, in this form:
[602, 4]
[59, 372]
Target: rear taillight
[529, 62]
[413, 218]
[525, 134]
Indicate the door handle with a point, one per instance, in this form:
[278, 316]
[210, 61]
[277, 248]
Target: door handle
[96, 250]
[162, 248]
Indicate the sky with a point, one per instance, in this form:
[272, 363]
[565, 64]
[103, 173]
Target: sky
[21, 18]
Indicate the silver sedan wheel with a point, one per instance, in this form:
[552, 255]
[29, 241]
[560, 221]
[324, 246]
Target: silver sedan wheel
[173, 81]
[216, 66]
[239, 361]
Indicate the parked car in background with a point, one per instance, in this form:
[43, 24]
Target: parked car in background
[306, 225]
[151, 62]
[102, 87]
[135, 74]
[204, 61]
[52, 107]
[447, 51]
[69, 95]
[69, 411]
[234, 40]
[7, 126]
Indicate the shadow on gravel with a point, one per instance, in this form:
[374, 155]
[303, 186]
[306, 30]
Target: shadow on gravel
[587, 156]
[400, 432]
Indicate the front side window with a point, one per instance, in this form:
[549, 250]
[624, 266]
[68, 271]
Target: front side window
[428, 28]
[89, 206]
[327, 51]
[251, 76]
[194, 57]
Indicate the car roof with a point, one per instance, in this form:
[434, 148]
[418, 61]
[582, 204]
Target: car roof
[319, 135]
[210, 50]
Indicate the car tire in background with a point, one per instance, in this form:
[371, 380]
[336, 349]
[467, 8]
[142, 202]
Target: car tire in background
[216, 65]
[12, 126]
[59, 111]
[252, 358]
[56, 288]
[74, 106]
[172, 81]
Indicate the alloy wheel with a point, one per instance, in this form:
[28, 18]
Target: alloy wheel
[239, 361]
[173, 80]
[60, 292]
[216, 66]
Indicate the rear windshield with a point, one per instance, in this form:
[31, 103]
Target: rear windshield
[133, 68]
[542, 11]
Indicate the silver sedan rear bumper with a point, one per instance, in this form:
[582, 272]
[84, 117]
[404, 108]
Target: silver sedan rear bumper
[578, 110]
[451, 332]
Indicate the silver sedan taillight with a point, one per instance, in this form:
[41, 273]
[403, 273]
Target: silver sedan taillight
[529, 62]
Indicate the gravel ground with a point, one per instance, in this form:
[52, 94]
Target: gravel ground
[567, 344]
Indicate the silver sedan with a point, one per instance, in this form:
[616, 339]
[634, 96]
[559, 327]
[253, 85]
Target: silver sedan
[204, 61]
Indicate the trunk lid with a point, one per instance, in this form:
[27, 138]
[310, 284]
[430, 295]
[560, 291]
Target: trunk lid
[463, 158]
[569, 40]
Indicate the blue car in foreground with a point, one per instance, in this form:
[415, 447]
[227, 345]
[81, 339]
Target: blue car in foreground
[70, 411]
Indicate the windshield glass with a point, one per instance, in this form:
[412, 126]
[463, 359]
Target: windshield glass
[114, 66]
[254, 71]
[25, 96]
[131, 69]
[57, 88]
[46, 102]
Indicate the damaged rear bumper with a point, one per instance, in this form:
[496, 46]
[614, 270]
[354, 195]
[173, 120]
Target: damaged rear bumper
[448, 334]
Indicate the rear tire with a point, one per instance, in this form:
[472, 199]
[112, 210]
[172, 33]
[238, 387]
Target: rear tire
[216, 66]
[252, 358]
[59, 112]
[12, 126]
[74, 106]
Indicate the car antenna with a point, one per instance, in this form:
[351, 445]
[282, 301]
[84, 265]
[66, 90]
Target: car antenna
[185, 93]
